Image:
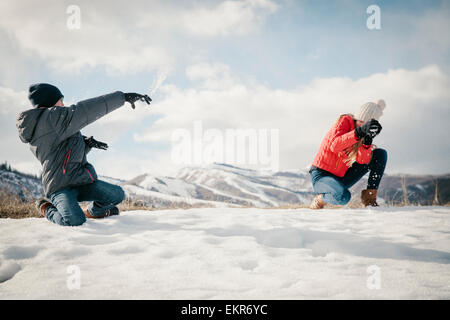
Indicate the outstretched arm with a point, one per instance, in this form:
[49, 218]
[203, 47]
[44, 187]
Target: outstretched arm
[67, 121]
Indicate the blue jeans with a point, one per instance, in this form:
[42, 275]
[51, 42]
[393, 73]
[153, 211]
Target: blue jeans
[334, 189]
[66, 211]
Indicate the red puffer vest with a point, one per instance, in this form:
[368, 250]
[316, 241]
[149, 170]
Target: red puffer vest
[331, 153]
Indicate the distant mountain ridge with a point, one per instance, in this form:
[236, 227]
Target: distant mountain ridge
[219, 185]
[23, 185]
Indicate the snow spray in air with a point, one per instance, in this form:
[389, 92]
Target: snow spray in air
[158, 81]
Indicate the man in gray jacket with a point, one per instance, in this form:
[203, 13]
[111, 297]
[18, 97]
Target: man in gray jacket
[53, 132]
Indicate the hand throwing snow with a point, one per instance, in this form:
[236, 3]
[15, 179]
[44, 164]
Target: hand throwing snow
[133, 97]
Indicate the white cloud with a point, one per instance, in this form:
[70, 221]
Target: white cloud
[211, 76]
[101, 41]
[117, 164]
[228, 18]
[120, 37]
[12, 101]
[113, 125]
[425, 33]
[12, 149]
[417, 113]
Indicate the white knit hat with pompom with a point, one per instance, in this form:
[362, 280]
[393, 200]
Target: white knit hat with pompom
[371, 110]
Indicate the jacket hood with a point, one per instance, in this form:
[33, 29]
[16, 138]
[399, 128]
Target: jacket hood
[27, 122]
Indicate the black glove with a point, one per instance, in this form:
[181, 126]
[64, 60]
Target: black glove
[92, 143]
[371, 128]
[133, 97]
[367, 140]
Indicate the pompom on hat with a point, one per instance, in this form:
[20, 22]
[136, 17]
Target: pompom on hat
[371, 110]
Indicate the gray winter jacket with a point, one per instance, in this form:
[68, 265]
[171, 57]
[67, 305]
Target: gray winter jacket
[56, 141]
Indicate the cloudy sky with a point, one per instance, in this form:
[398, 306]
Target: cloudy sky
[290, 66]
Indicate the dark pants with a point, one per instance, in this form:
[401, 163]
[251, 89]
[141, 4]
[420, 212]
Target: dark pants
[334, 189]
[67, 212]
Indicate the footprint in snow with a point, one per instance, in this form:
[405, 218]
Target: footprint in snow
[94, 240]
[248, 265]
[71, 253]
[8, 270]
[166, 255]
[21, 252]
[213, 240]
[126, 250]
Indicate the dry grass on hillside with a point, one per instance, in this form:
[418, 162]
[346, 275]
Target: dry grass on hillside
[11, 206]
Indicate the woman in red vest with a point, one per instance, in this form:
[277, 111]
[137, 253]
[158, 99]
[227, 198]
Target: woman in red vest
[346, 155]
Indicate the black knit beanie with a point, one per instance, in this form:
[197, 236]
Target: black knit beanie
[44, 95]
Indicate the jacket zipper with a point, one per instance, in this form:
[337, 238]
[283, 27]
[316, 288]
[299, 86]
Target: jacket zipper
[66, 161]
[90, 175]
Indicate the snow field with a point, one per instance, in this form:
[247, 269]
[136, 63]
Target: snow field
[231, 253]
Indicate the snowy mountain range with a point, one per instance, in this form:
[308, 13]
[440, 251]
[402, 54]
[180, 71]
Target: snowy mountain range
[223, 185]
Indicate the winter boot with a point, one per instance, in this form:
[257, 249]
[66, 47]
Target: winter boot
[114, 211]
[317, 202]
[42, 204]
[369, 197]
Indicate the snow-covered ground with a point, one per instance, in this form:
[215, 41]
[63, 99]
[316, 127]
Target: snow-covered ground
[225, 253]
